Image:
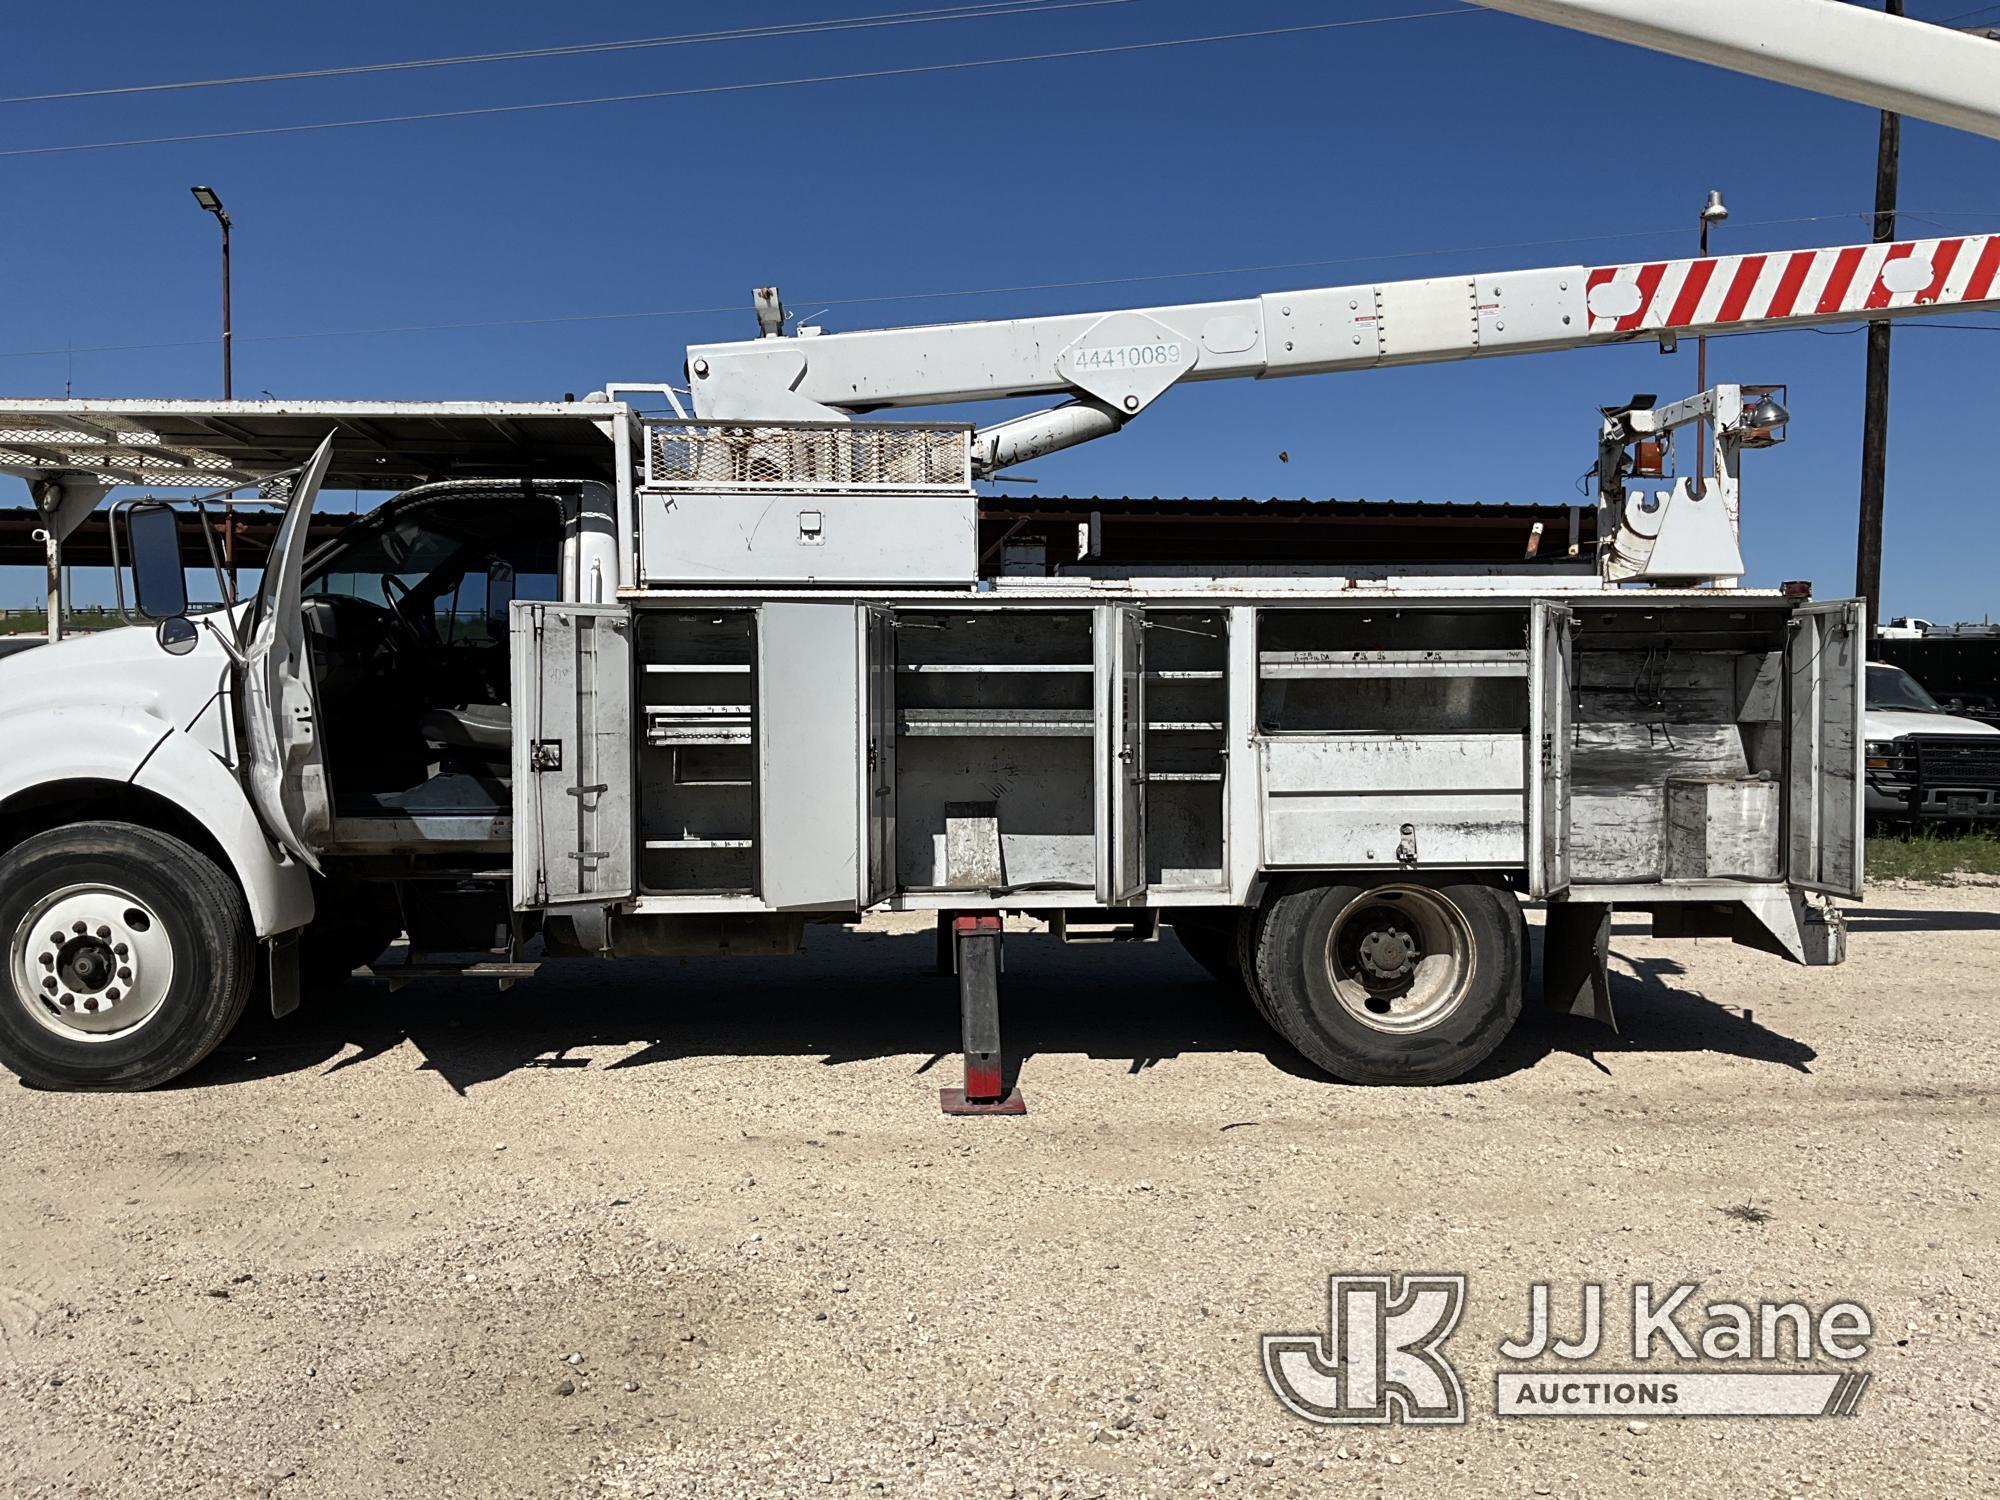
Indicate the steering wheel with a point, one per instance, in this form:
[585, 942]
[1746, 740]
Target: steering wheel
[376, 639]
[418, 622]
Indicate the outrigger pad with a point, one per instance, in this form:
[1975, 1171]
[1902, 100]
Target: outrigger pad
[954, 1102]
[1576, 950]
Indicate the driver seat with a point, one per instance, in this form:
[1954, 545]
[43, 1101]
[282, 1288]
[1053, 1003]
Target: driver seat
[485, 729]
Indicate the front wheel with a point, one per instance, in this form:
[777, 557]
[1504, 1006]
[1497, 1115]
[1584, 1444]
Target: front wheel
[129, 956]
[1411, 980]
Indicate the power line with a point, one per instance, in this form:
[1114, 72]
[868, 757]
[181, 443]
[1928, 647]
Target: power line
[706, 90]
[973, 11]
[1863, 328]
[887, 298]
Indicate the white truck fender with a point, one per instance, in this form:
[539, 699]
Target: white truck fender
[41, 750]
[277, 888]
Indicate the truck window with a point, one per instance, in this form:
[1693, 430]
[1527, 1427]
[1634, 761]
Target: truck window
[408, 611]
[1892, 688]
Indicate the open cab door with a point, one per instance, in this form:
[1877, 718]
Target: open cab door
[284, 764]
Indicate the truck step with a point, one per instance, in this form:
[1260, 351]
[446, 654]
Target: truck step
[502, 971]
[1137, 926]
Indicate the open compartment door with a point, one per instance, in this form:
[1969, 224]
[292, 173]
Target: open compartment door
[1825, 660]
[878, 752]
[573, 732]
[1551, 690]
[811, 755]
[1121, 759]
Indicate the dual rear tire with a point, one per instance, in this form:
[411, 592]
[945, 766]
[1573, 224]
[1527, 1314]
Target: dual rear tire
[1411, 980]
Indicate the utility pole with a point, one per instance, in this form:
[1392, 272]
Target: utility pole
[1875, 413]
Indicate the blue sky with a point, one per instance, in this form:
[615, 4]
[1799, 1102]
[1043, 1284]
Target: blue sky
[1412, 148]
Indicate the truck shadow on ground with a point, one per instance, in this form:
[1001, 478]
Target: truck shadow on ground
[866, 996]
[1882, 919]
[869, 995]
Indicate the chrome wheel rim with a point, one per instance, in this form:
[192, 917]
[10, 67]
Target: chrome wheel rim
[1400, 958]
[92, 962]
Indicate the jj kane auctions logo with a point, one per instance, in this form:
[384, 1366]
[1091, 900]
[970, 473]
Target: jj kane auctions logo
[1382, 1357]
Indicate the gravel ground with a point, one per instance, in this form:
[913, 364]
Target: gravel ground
[698, 1229]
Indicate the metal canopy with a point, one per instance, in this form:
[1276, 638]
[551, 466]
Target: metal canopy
[382, 445]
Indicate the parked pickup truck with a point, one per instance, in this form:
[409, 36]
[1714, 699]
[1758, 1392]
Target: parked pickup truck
[1922, 761]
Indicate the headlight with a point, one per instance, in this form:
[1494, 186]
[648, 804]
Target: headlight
[1880, 754]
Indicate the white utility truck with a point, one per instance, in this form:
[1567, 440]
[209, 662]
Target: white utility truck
[607, 682]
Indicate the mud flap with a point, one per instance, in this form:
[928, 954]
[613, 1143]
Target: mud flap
[287, 980]
[1576, 947]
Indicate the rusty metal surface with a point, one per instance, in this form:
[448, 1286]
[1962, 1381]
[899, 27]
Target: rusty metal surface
[89, 546]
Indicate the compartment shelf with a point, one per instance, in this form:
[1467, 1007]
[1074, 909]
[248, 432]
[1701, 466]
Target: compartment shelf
[1024, 723]
[987, 668]
[1456, 663]
[1185, 726]
[697, 799]
[665, 730]
[1184, 776]
[1174, 674]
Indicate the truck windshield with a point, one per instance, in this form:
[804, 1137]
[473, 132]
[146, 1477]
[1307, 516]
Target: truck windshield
[1893, 688]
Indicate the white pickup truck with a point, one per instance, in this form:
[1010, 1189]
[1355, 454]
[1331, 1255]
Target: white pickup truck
[1923, 762]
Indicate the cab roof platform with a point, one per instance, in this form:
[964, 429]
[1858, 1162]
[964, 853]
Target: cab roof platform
[384, 445]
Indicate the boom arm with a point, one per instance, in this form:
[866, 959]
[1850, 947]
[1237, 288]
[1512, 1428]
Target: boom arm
[1917, 69]
[1115, 364]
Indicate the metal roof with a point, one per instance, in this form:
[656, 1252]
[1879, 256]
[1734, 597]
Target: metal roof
[382, 445]
[89, 546]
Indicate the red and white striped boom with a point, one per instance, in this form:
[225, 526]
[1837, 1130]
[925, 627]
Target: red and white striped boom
[1792, 287]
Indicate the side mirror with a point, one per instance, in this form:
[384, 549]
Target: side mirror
[153, 541]
[177, 636]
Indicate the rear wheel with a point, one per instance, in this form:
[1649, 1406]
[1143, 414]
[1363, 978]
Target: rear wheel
[1411, 980]
[129, 955]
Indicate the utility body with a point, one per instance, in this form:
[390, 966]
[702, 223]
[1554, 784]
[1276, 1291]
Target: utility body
[633, 676]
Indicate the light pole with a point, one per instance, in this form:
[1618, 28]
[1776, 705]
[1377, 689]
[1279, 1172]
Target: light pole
[210, 203]
[1712, 212]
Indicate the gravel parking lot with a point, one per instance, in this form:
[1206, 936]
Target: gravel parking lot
[698, 1229]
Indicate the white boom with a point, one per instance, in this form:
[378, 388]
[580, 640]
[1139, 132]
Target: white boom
[1113, 365]
[1831, 47]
